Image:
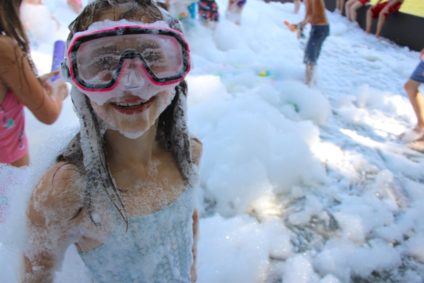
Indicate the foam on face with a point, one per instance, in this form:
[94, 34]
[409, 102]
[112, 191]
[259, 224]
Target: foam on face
[135, 125]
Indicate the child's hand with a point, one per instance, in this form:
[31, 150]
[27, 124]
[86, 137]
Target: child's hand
[46, 77]
[44, 80]
[59, 89]
[56, 89]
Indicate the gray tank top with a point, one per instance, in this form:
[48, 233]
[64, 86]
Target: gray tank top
[156, 248]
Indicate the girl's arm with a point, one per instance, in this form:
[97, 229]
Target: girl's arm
[51, 223]
[17, 75]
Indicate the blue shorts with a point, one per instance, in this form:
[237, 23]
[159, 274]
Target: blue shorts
[313, 47]
[418, 74]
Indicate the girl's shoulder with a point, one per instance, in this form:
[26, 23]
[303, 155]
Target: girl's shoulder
[59, 192]
[9, 48]
[7, 43]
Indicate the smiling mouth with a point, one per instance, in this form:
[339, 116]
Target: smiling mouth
[132, 107]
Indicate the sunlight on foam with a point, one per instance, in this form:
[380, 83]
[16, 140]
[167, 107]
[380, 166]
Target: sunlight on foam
[266, 207]
[366, 141]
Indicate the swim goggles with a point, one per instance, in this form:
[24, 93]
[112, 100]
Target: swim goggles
[97, 60]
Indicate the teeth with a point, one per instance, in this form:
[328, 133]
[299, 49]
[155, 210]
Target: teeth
[128, 104]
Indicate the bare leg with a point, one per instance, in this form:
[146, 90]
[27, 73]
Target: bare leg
[353, 10]
[347, 8]
[381, 20]
[24, 161]
[417, 102]
[296, 6]
[309, 74]
[340, 4]
[369, 21]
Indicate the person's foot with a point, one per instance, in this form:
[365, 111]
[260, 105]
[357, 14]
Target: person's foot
[416, 134]
[417, 145]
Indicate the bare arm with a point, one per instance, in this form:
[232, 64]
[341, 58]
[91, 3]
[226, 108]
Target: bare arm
[16, 74]
[51, 223]
[308, 14]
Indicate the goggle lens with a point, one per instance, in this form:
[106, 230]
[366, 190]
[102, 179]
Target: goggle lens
[99, 58]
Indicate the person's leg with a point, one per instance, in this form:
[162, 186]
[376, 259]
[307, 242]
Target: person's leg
[348, 6]
[381, 20]
[322, 35]
[353, 9]
[296, 6]
[309, 74]
[311, 53]
[338, 5]
[368, 21]
[417, 102]
[341, 6]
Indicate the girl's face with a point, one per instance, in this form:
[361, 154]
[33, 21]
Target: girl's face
[138, 104]
[131, 115]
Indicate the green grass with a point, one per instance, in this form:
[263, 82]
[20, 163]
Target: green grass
[413, 7]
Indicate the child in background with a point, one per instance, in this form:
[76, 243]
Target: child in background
[381, 10]
[208, 12]
[19, 87]
[352, 6]
[340, 6]
[234, 10]
[296, 4]
[123, 190]
[320, 29]
[411, 87]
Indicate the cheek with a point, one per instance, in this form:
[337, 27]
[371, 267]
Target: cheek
[101, 110]
[164, 99]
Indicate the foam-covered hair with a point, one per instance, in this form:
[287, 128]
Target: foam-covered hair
[87, 149]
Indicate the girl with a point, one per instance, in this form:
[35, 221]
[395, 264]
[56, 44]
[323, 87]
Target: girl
[122, 191]
[208, 12]
[19, 87]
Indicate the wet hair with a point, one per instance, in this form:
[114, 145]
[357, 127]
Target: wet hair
[87, 150]
[10, 23]
[122, 9]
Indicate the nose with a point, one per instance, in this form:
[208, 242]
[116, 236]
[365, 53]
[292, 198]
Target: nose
[133, 76]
